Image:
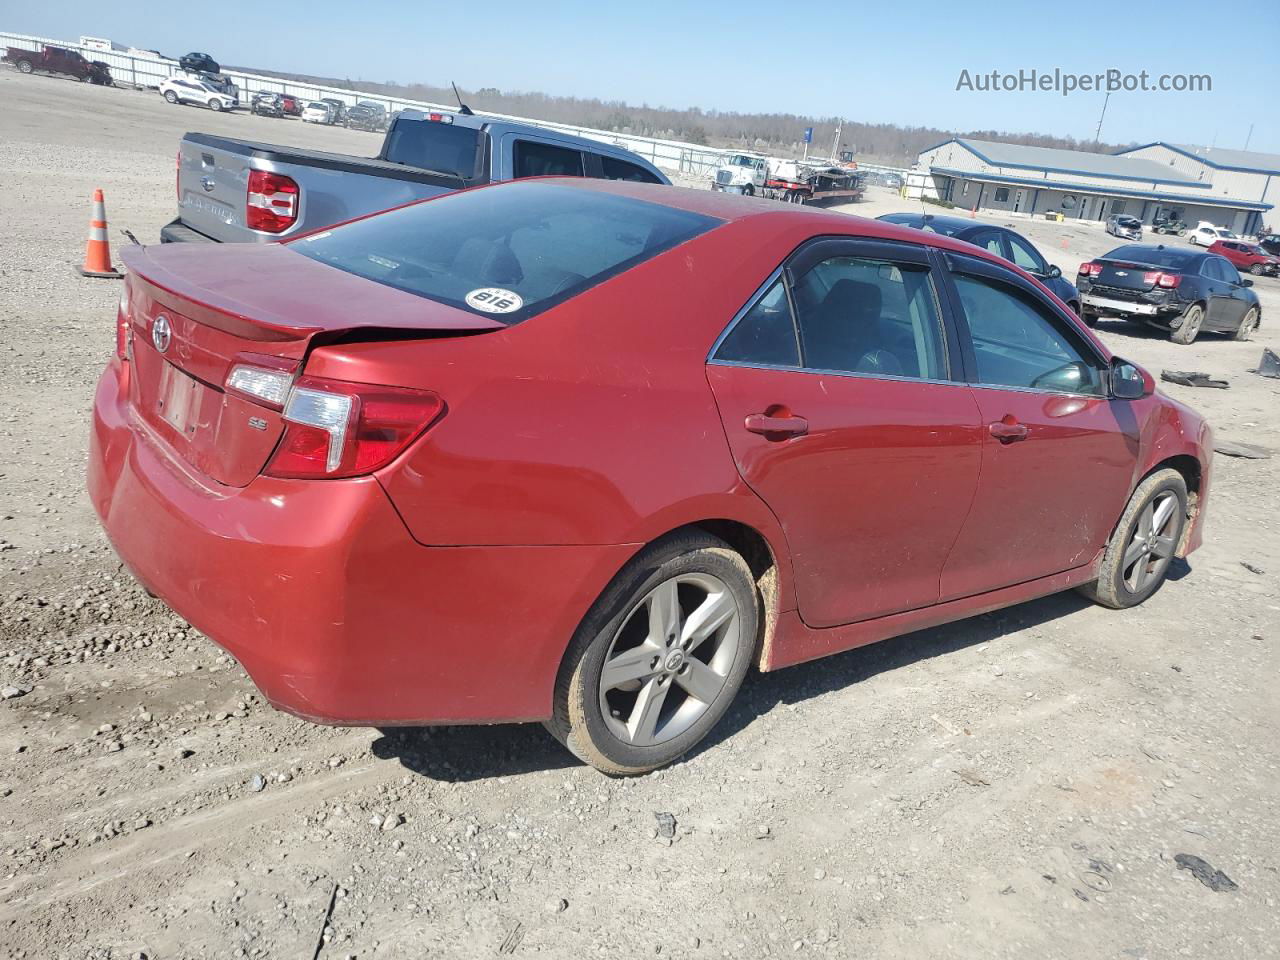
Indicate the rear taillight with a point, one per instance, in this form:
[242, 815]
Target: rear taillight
[338, 429]
[1090, 269]
[122, 326]
[272, 202]
[1157, 278]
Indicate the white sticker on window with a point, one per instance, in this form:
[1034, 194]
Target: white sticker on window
[494, 300]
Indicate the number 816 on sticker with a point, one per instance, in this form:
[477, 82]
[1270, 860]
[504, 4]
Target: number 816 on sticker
[494, 300]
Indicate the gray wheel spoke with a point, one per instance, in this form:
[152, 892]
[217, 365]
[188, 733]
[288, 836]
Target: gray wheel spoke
[709, 617]
[1144, 521]
[628, 666]
[1162, 547]
[700, 681]
[664, 612]
[643, 722]
[1162, 513]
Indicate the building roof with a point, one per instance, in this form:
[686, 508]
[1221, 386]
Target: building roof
[1220, 157]
[1079, 162]
[1136, 190]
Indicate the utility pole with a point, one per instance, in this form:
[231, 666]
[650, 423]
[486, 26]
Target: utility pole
[835, 147]
[1249, 137]
[1097, 134]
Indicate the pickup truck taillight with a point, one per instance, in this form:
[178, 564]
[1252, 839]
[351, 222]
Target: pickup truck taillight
[272, 202]
[334, 428]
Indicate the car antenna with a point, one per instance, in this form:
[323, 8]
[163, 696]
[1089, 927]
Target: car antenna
[462, 107]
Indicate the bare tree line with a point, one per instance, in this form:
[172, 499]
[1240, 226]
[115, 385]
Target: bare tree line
[776, 133]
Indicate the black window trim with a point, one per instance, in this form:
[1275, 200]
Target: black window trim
[964, 263]
[815, 250]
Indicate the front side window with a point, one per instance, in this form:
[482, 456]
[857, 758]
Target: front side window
[533, 159]
[1018, 343]
[869, 316]
[530, 244]
[1024, 255]
[1227, 270]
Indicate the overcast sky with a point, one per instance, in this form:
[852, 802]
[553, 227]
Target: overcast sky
[875, 62]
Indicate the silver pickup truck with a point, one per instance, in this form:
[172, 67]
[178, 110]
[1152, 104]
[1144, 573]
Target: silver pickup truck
[237, 191]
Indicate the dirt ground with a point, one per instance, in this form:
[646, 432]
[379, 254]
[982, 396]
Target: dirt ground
[1017, 785]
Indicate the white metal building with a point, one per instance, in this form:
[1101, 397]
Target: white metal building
[1235, 173]
[1032, 181]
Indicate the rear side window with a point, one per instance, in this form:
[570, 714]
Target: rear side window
[509, 251]
[765, 334]
[871, 317]
[615, 169]
[442, 147]
[533, 159]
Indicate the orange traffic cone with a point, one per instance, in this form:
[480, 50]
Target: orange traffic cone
[97, 255]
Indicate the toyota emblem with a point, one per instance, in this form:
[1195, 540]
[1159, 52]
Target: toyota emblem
[161, 333]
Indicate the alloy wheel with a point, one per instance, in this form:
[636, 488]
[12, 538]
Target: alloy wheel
[670, 659]
[1152, 546]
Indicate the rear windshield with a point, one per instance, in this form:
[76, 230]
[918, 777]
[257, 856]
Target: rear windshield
[442, 147]
[506, 252]
[1156, 256]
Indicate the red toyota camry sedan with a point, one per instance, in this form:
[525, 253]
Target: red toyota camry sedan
[585, 452]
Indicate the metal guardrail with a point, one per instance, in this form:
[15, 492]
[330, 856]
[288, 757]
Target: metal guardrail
[149, 72]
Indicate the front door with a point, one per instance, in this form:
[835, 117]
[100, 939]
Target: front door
[835, 391]
[1017, 201]
[1058, 453]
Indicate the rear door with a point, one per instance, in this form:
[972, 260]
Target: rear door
[1057, 453]
[834, 385]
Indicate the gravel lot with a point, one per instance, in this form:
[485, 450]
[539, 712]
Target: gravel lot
[1017, 785]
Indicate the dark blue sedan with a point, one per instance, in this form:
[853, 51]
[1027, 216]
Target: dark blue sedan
[999, 240]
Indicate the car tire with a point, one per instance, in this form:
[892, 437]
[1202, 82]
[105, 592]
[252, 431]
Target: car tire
[749, 191]
[1137, 558]
[215, 104]
[1182, 233]
[1256, 270]
[171, 96]
[1088, 317]
[24, 66]
[1248, 324]
[1192, 320]
[670, 690]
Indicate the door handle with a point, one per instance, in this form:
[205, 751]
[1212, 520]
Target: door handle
[1008, 430]
[791, 426]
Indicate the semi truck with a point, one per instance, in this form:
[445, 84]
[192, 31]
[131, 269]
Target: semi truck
[791, 181]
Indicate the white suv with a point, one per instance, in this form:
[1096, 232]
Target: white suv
[188, 90]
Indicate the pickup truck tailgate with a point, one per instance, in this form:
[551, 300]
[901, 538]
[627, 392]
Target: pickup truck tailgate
[213, 186]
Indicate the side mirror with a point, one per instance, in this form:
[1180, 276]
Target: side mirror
[1246, 282]
[1129, 381]
[1054, 272]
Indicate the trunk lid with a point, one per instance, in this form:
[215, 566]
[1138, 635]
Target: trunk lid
[258, 305]
[1129, 275]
